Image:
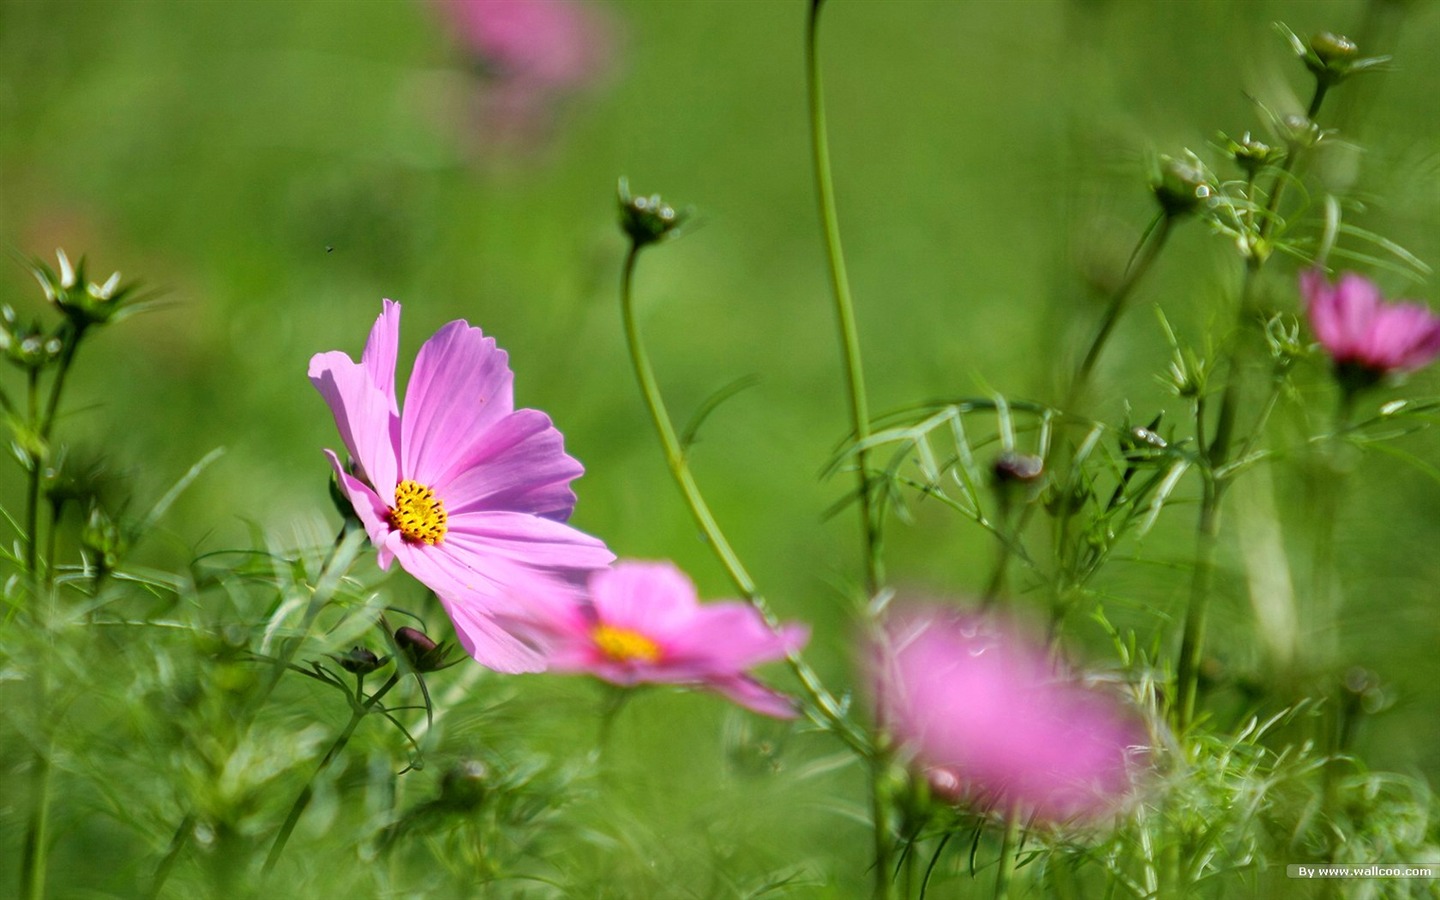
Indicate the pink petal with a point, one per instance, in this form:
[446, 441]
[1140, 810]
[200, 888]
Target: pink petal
[482, 538]
[653, 598]
[362, 414]
[755, 696]
[733, 637]
[369, 508]
[382, 348]
[489, 643]
[518, 465]
[461, 386]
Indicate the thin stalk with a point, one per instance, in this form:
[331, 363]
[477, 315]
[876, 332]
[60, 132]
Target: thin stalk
[1145, 253]
[326, 582]
[358, 711]
[828, 707]
[1009, 852]
[1218, 453]
[32, 484]
[844, 307]
[1192, 642]
[33, 866]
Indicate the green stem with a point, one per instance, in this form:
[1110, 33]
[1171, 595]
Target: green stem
[1009, 853]
[358, 711]
[1192, 642]
[32, 484]
[1218, 453]
[844, 307]
[33, 864]
[830, 711]
[342, 551]
[1146, 251]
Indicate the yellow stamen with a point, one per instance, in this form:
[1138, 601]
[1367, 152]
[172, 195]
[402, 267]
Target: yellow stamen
[624, 645]
[418, 514]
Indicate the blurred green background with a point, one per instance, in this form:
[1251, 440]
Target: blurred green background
[279, 167]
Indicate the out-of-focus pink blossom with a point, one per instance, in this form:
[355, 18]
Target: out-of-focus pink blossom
[531, 53]
[469, 493]
[1363, 332]
[645, 625]
[991, 720]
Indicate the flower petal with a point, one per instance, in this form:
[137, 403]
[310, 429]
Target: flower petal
[369, 508]
[754, 696]
[480, 539]
[654, 598]
[363, 416]
[461, 386]
[520, 465]
[491, 644]
[382, 348]
[732, 637]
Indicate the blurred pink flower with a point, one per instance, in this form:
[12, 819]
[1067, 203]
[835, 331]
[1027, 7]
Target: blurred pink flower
[990, 720]
[645, 625]
[531, 53]
[1362, 332]
[467, 492]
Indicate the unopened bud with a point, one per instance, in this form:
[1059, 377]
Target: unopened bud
[1250, 154]
[1021, 468]
[464, 786]
[1331, 48]
[423, 653]
[1182, 186]
[361, 660]
[647, 220]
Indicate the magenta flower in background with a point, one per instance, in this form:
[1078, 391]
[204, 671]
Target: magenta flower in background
[990, 720]
[1366, 336]
[469, 493]
[645, 625]
[531, 53]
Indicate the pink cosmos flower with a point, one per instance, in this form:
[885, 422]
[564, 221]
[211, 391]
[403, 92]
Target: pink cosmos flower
[531, 52]
[989, 719]
[469, 493]
[1362, 332]
[645, 625]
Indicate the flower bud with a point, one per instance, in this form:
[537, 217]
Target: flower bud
[93, 304]
[1331, 49]
[647, 220]
[464, 786]
[423, 653]
[104, 538]
[1017, 468]
[1250, 154]
[1331, 57]
[361, 660]
[1181, 186]
[1299, 131]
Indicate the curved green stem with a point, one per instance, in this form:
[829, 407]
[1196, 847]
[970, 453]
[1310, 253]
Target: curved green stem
[844, 307]
[1149, 247]
[358, 711]
[831, 713]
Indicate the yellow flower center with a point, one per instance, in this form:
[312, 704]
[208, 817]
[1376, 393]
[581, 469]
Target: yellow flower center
[418, 514]
[624, 645]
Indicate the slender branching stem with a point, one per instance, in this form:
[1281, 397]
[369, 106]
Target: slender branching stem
[844, 307]
[359, 709]
[829, 709]
[1217, 454]
[337, 561]
[1151, 242]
